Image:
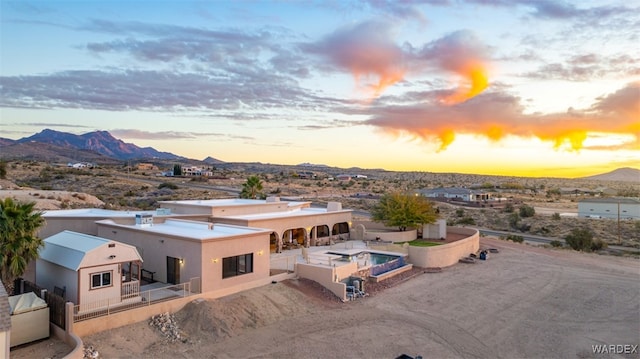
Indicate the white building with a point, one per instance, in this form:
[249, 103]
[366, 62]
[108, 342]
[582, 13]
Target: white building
[614, 208]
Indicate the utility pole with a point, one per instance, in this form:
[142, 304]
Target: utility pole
[619, 239]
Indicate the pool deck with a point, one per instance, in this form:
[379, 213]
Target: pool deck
[320, 255]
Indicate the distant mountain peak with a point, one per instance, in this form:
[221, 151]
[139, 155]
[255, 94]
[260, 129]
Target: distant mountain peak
[624, 174]
[101, 142]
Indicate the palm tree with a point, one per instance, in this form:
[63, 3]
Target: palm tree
[19, 243]
[252, 189]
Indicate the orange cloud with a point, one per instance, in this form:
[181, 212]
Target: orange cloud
[495, 115]
[475, 81]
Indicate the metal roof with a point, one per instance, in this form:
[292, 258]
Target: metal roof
[68, 249]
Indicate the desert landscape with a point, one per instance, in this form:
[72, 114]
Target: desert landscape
[525, 301]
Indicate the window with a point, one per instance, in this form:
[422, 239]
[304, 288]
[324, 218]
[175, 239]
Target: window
[233, 266]
[99, 280]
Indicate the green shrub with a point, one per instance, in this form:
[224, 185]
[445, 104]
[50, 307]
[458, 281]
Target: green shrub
[527, 211]
[555, 216]
[556, 243]
[580, 239]
[168, 185]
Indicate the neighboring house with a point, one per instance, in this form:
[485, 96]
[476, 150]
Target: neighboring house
[178, 251]
[455, 193]
[614, 208]
[196, 171]
[5, 323]
[146, 167]
[89, 269]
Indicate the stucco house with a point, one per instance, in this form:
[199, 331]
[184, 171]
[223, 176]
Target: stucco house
[455, 193]
[292, 223]
[89, 269]
[218, 256]
[612, 207]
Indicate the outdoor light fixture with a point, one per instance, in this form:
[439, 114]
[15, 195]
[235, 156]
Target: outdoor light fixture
[214, 260]
[112, 256]
[181, 260]
[260, 252]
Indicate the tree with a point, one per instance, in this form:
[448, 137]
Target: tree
[580, 239]
[177, 170]
[19, 243]
[527, 211]
[252, 189]
[403, 210]
[3, 169]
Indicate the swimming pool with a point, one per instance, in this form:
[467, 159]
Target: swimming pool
[371, 258]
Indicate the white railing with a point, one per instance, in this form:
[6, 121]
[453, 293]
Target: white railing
[113, 305]
[130, 289]
[283, 264]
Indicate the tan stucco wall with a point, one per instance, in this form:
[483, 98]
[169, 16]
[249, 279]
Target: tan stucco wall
[325, 276]
[5, 339]
[198, 255]
[212, 271]
[404, 236]
[280, 225]
[88, 295]
[445, 255]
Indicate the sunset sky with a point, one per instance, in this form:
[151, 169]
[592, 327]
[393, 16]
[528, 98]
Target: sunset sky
[505, 87]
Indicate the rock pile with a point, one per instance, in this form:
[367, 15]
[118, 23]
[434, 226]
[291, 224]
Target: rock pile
[89, 352]
[167, 325]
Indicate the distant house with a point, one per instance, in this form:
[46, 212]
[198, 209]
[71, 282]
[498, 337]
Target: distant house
[146, 167]
[613, 207]
[344, 178]
[196, 171]
[89, 269]
[455, 193]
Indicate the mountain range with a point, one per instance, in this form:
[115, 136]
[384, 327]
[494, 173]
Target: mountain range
[90, 147]
[101, 147]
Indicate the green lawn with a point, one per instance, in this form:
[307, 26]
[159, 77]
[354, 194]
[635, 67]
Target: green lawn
[423, 243]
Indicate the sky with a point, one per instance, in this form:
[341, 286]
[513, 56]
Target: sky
[503, 87]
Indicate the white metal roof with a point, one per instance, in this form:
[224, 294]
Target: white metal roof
[190, 229]
[68, 249]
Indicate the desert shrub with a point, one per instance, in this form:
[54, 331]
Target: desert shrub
[459, 212]
[514, 219]
[129, 193]
[515, 238]
[598, 244]
[527, 211]
[466, 220]
[580, 239]
[556, 243]
[168, 185]
[555, 216]
[3, 169]
[508, 208]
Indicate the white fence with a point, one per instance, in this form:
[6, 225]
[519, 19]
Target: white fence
[130, 299]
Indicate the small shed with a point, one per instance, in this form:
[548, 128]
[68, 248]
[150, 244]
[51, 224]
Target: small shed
[89, 268]
[29, 318]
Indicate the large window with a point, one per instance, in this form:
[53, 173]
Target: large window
[99, 280]
[233, 266]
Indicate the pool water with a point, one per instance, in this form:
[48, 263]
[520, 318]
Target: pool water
[372, 258]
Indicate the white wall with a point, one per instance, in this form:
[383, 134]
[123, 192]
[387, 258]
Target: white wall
[49, 275]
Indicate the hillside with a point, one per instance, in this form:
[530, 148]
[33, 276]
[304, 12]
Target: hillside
[626, 174]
